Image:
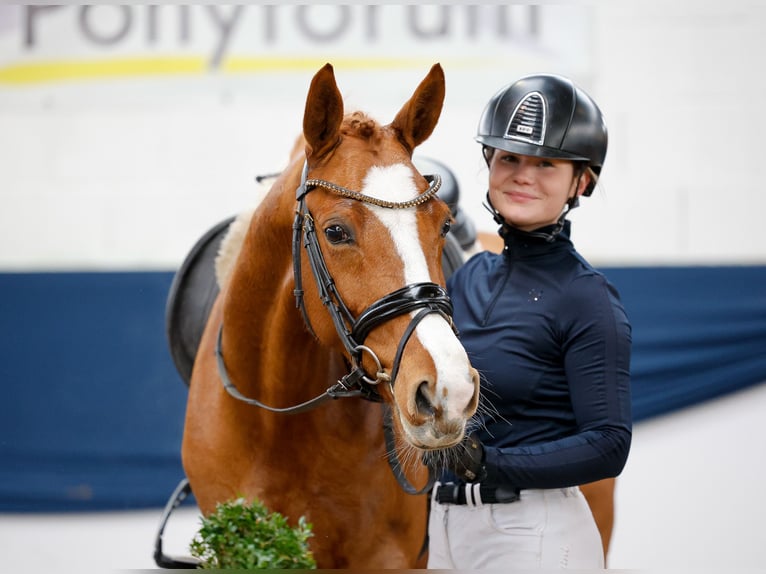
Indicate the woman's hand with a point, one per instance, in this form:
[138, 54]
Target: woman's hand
[467, 459]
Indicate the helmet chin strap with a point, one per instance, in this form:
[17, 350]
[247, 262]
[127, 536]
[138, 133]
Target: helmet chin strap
[550, 237]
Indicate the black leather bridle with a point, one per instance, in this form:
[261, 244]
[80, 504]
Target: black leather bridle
[422, 298]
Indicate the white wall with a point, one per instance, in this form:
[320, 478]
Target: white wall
[126, 171]
[691, 497]
[683, 88]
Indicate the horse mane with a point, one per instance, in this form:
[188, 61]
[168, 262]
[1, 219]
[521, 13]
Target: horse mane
[231, 245]
[232, 241]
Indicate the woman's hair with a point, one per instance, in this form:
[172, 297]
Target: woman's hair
[585, 167]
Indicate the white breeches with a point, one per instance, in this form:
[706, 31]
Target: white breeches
[549, 529]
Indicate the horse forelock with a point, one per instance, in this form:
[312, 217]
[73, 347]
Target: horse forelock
[359, 124]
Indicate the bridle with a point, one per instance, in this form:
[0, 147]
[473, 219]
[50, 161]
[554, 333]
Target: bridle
[422, 298]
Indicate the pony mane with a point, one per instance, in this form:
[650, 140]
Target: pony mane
[231, 244]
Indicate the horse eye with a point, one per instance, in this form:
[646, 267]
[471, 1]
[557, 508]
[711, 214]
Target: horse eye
[337, 234]
[446, 227]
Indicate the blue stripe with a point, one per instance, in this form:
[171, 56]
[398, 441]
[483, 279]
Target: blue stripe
[92, 413]
[698, 333]
[92, 410]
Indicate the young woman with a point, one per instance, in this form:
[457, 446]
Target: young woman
[552, 341]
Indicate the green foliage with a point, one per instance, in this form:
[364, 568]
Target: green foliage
[239, 535]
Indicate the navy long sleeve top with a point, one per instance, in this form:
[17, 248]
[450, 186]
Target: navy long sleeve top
[551, 341]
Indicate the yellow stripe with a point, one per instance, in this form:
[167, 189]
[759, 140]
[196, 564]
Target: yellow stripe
[42, 72]
[236, 64]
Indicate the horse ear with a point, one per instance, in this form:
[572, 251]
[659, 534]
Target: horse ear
[417, 119]
[323, 114]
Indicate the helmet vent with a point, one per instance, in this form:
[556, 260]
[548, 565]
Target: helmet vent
[528, 120]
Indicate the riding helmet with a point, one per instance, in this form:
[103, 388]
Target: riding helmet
[545, 116]
[463, 228]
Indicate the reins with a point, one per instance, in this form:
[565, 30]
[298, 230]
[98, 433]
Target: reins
[420, 298]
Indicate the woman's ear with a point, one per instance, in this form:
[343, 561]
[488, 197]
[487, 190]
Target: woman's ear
[583, 181]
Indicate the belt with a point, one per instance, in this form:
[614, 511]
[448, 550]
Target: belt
[474, 494]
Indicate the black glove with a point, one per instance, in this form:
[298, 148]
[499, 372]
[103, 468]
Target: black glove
[467, 459]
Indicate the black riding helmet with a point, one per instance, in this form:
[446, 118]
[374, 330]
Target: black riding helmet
[545, 116]
[463, 228]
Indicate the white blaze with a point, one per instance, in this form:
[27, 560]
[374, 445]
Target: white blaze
[395, 183]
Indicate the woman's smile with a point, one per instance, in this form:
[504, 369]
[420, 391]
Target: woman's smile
[519, 196]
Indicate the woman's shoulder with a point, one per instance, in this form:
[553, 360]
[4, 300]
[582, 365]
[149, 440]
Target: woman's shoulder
[582, 271]
[480, 264]
[480, 259]
[590, 293]
[582, 282]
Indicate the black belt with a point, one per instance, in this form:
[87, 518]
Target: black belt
[452, 493]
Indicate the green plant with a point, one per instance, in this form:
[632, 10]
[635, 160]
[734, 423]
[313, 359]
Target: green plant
[241, 535]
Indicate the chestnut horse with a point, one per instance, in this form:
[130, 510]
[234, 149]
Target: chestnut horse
[336, 293]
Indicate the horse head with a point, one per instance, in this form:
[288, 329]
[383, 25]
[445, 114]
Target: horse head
[373, 231]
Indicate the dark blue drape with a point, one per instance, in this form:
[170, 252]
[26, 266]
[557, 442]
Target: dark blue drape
[92, 409]
[698, 333]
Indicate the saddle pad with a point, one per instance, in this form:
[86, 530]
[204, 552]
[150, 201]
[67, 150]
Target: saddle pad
[191, 296]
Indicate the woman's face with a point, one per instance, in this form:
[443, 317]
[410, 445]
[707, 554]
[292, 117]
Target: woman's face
[531, 192]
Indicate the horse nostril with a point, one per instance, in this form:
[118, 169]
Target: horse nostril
[422, 402]
[474, 402]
